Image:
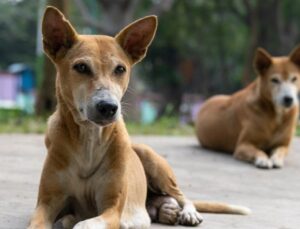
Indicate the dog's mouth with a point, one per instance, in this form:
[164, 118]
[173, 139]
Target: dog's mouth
[103, 122]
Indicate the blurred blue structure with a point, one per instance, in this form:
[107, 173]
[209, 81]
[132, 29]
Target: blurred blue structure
[17, 89]
[148, 112]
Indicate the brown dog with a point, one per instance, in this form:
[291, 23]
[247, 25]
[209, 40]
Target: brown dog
[258, 122]
[93, 176]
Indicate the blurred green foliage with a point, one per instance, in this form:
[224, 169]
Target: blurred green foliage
[204, 34]
[213, 36]
[18, 26]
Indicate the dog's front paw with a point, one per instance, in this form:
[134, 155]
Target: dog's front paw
[263, 163]
[93, 223]
[168, 213]
[189, 216]
[277, 160]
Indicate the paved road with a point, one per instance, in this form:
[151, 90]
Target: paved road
[273, 196]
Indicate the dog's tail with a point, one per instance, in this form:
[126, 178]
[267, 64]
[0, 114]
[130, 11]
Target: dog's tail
[221, 208]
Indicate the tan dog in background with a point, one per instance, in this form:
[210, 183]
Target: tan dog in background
[258, 122]
[93, 176]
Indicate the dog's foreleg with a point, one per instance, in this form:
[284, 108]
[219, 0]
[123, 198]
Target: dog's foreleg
[46, 212]
[278, 155]
[109, 219]
[248, 152]
[110, 203]
[51, 198]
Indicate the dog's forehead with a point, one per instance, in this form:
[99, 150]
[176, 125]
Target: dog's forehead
[103, 48]
[283, 67]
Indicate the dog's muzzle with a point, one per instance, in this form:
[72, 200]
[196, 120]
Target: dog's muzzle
[103, 108]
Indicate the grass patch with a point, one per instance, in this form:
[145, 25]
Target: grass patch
[163, 126]
[24, 125]
[298, 130]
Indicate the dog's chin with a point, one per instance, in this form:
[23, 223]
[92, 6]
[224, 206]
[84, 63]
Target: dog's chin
[288, 107]
[285, 106]
[103, 123]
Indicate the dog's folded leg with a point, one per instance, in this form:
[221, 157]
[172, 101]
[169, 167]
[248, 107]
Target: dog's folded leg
[161, 179]
[278, 155]
[163, 209]
[168, 211]
[250, 153]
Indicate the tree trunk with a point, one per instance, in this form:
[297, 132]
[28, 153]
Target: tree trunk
[46, 100]
[261, 17]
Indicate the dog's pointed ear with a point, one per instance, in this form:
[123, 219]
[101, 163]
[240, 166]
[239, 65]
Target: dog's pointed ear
[262, 61]
[136, 37]
[295, 56]
[58, 33]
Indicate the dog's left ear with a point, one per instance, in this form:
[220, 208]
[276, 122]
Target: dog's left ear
[295, 56]
[136, 37]
[262, 61]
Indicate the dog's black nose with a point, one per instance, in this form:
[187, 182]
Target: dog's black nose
[287, 101]
[107, 109]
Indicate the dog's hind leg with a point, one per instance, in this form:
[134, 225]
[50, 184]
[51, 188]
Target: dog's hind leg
[162, 181]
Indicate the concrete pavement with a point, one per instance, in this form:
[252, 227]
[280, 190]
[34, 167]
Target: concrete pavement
[273, 196]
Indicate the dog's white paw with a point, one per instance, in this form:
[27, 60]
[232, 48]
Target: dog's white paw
[277, 160]
[93, 223]
[189, 216]
[263, 163]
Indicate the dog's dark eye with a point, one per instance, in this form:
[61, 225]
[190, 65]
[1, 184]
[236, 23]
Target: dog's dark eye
[294, 79]
[274, 80]
[119, 70]
[82, 69]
